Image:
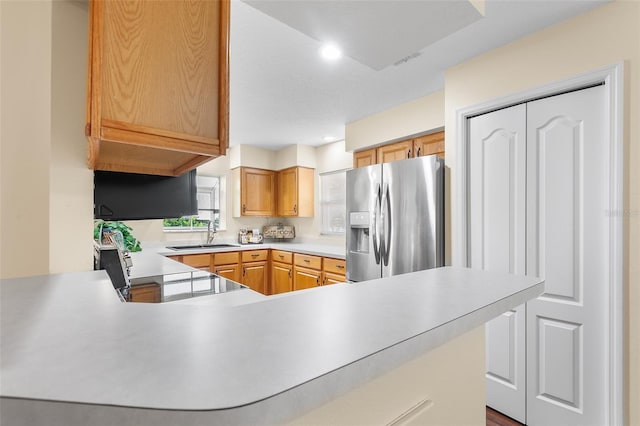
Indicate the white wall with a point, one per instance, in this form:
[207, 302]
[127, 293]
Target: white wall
[25, 136]
[423, 114]
[606, 35]
[326, 158]
[71, 181]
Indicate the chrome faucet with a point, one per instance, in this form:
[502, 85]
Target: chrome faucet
[211, 234]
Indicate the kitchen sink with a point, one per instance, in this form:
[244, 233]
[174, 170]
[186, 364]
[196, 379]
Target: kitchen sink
[198, 246]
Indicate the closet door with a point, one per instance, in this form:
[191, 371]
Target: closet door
[497, 243]
[567, 244]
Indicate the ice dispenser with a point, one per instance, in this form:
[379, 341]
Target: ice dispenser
[359, 228]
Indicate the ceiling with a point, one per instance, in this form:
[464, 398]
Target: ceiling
[282, 92]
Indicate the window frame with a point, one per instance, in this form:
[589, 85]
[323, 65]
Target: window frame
[325, 228]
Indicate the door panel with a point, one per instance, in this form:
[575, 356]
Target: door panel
[412, 225]
[497, 243]
[567, 244]
[363, 218]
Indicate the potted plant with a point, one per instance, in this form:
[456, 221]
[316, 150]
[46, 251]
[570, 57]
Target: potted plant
[130, 242]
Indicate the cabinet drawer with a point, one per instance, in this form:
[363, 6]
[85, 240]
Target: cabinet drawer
[228, 258]
[307, 261]
[197, 260]
[254, 255]
[336, 266]
[281, 256]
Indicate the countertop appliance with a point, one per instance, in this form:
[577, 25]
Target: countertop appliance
[395, 218]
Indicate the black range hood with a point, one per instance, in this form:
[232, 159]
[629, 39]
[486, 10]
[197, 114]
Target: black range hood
[131, 196]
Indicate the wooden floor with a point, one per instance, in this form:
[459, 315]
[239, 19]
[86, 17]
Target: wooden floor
[498, 419]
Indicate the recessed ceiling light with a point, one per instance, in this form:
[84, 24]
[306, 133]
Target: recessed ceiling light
[329, 138]
[330, 52]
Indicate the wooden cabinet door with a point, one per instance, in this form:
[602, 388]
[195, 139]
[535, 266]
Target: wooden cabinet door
[146, 293]
[296, 192]
[429, 145]
[254, 276]
[395, 151]
[364, 158]
[231, 272]
[257, 192]
[158, 85]
[306, 278]
[288, 192]
[281, 278]
[329, 278]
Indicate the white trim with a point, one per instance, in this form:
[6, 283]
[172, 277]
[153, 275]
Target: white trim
[612, 76]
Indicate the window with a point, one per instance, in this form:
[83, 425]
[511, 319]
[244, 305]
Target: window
[208, 195]
[333, 207]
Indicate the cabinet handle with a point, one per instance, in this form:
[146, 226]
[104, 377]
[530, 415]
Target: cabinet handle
[255, 255]
[340, 266]
[244, 271]
[295, 208]
[324, 281]
[244, 208]
[409, 153]
[318, 281]
[306, 260]
[281, 256]
[289, 273]
[418, 153]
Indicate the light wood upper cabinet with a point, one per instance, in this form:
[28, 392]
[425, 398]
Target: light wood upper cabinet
[257, 192]
[295, 192]
[158, 87]
[410, 148]
[395, 151]
[365, 158]
[429, 145]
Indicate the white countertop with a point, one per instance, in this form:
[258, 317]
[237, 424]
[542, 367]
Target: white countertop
[318, 249]
[68, 338]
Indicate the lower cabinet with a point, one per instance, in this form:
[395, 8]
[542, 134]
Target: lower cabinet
[227, 265]
[306, 278]
[329, 278]
[270, 271]
[254, 276]
[281, 278]
[145, 293]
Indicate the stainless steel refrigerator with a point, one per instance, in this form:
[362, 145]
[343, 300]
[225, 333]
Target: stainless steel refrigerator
[395, 215]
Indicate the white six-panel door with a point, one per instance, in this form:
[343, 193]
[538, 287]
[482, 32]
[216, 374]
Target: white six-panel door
[538, 200]
[567, 244]
[497, 217]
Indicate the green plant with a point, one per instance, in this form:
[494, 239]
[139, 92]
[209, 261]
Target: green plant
[130, 242]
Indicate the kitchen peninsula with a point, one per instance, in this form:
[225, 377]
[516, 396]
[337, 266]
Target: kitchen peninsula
[72, 353]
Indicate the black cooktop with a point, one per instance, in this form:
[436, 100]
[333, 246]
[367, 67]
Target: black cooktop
[185, 285]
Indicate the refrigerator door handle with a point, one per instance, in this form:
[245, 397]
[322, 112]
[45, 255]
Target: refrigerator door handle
[386, 204]
[374, 226]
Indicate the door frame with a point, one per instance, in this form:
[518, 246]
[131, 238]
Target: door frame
[613, 78]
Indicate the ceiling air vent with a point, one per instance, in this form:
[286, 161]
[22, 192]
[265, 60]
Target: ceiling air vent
[407, 59]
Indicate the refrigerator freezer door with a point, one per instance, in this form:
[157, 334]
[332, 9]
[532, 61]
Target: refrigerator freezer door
[413, 215]
[363, 227]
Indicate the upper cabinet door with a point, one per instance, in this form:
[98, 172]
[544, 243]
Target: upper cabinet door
[429, 145]
[364, 158]
[257, 192]
[296, 192]
[395, 151]
[158, 98]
